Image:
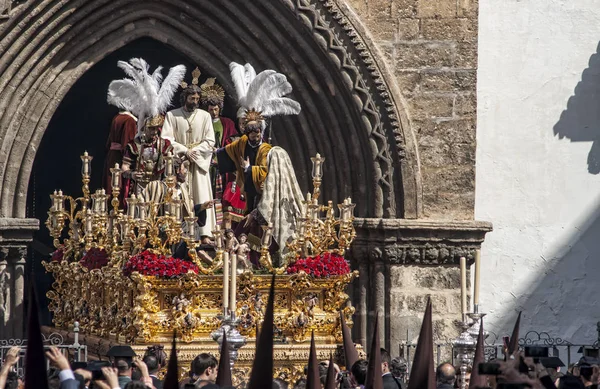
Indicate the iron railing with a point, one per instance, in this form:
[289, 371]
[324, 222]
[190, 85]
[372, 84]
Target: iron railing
[75, 351]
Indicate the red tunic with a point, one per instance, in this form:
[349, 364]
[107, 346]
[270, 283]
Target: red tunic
[122, 131]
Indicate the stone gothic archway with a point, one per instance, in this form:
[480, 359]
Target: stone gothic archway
[351, 113]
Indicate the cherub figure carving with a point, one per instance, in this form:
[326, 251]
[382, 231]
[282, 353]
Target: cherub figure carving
[180, 303]
[231, 243]
[243, 249]
[310, 302]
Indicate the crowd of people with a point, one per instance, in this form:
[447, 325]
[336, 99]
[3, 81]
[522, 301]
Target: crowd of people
[125, 370]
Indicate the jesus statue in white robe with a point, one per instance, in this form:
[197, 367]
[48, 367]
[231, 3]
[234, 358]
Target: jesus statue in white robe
[192, 135]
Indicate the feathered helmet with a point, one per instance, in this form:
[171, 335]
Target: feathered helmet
[146, 95]
[261, 95]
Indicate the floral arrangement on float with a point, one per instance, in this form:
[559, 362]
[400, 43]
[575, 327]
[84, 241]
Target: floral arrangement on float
[115, 272]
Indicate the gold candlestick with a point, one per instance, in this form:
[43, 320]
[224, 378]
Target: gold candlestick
[317, 174]
[116, 186]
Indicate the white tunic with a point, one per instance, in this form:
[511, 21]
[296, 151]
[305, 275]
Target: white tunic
[194, 131]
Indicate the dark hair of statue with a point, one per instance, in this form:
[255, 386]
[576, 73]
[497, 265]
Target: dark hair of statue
[250, 127]
[213, 101]
[190, 90]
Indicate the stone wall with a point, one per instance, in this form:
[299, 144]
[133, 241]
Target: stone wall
[411, 286]
[431, 46]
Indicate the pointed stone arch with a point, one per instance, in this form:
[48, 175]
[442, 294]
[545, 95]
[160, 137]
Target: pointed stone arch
[352, 110]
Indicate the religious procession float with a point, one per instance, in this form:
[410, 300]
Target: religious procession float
[193, 222]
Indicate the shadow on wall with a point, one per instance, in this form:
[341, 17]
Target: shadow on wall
[563, 300]
[580, 122]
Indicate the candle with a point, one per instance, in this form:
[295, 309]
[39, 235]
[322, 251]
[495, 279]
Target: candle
[131, 202]
[60, 204]
[142, 210]
[233, 293]
[477, 279]
[85, 167]
[116, 176]
[191, 224]
[225, 281]
[463, 286]
[54, 201]
[267, 231]
[218, 239]
[124, 230]
[88, 223]
[178, 210]
[317, 161]
[169, 165]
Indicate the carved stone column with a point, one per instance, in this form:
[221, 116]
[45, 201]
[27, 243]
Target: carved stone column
[378, 290]
[6, 330]
[407, 262]
[15, 236]
[361, 301]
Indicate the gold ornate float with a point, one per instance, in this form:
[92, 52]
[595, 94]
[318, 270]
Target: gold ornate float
[96, 286]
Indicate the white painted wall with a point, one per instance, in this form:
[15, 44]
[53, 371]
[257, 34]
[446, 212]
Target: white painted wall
[539, 73]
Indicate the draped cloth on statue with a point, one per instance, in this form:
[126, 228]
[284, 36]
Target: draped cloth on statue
[281, 202]
[194, 132]
[251, 181]
[156, 191]
[122, 131]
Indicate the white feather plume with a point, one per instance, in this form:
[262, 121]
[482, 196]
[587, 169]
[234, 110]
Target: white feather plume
[144, 94]
[281, 106]
[124, 95]
[255, 95]
[266, 94]
[169, 86]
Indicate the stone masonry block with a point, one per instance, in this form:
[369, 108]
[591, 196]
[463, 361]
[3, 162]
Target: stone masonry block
[465, 105]
[383, 29]
[434, 152]
[443, 303]
[431, 105]
[466, 80]
[424, 55]
[408, 29]
[452, 131]
[380, 8]
[449, 29]
[466, 55]
[404, 8]
[433, 278]
[438, 80]
[408, 81]
[451, 179]
[436, 8]
[468, 8]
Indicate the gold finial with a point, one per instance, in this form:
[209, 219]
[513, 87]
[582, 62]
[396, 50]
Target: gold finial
[195, 77]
